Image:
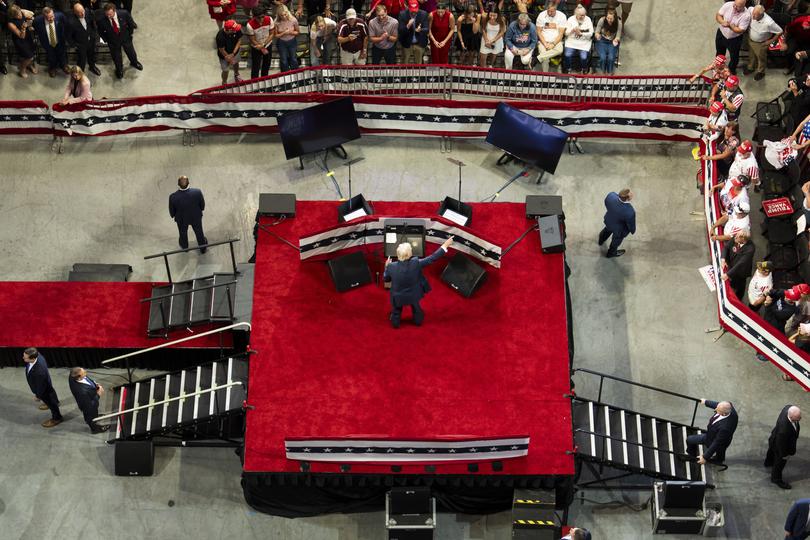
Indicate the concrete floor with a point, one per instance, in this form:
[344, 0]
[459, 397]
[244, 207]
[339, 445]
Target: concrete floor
[641, 316]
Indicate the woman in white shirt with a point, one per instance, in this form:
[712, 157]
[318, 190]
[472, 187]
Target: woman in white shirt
[578, 39]
[322, 41]
[494, 28]
[761, 282]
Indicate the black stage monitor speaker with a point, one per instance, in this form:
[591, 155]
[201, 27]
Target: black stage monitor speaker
[551, 239]
[399, 231]
[456, 211]
[683, 495]
[464, 275]
[350, 271]
[410, 500]
[354, 208]
[543, 205]
[277, 204]
[134, 458]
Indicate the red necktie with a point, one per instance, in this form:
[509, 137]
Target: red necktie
[114, 25]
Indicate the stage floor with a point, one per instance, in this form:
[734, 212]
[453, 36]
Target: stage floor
[330, 365]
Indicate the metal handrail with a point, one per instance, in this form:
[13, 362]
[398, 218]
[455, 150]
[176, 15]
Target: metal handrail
[162, 402]
[210, 244]
[175, 342]
[603, 376]
[203, 288]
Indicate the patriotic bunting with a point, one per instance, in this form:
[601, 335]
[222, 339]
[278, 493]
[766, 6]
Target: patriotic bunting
[25, 117]
[369, 450]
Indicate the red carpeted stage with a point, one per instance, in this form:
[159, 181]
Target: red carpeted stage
[330, 365]
[78, 323]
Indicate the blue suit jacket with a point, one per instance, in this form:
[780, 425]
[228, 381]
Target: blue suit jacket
[796, 522]
[406, 34]
[186, 205]
[38, 377]
[620, 216]
[408, 284]
[42, 31]
[86, 396]
[719, 434]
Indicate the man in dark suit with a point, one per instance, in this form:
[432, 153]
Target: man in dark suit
[82, 33]
[737, 261]
[620, 220]
[782, 443]
[186, 207]
[408, 284]
[797, 524]
[718, 434]
[50, 29]
[39, 379]
[115, 27]
[87, 394]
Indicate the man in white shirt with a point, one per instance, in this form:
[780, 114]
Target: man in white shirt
[762, 31]
[550, 32]
[737, 220]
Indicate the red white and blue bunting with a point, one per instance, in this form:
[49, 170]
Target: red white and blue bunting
[376, 450]
[25, 118]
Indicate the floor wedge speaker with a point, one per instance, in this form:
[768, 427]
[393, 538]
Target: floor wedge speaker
[464, 275]
[350, 271]
[134, 458]
[551, 236]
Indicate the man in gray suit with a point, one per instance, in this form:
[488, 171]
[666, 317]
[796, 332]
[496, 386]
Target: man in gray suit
[186, 207]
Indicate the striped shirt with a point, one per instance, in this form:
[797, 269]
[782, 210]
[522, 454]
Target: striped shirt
[747, 166]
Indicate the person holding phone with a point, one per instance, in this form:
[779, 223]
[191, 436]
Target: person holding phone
[408, 283]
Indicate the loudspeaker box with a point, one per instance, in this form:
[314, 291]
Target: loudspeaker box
[349, 271]
[134, 458]
[464, 275]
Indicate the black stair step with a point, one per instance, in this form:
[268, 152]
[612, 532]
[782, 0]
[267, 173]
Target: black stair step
[663, 445]
[633, 450]
[141, 397]
[617, 444]
[201, 301]
[155, 417]
[221, 308]
[174, 406]
[649, 442]
[203, 405]
[156, 321]
[240, 370]
[187, 405]
[181, 304]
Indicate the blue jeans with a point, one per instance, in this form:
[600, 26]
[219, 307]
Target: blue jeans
[286, 54]
[607, 55]
[568, 54]
[327, 49]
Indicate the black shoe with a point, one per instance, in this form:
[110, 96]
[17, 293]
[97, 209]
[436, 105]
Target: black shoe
[138, 66]
[99, 429]
[3, 69]
[759, 76]
[94, 70]
[782, 484]
[619, 253]
[119, 73]
[601, 240]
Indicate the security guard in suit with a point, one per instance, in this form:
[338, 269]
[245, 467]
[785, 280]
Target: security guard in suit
[87, 393]
[186, 207]
[408, 284]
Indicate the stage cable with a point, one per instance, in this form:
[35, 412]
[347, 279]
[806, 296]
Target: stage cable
[267, 230]
[521, 237]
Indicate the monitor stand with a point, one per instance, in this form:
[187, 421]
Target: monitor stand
[338, 150]
[508, 158]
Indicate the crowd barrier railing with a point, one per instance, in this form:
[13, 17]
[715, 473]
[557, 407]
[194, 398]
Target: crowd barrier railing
[489, 83]
[735, 316]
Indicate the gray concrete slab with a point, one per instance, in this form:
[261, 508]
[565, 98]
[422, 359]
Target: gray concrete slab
[641, 316]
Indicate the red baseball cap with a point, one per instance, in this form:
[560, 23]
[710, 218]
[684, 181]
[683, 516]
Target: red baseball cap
[802, 288]
[792, 295]
[716, 107]
[745, 147]
[732, 81]
[719, 60]
[736, 182]
[232, 26]
[413, 6]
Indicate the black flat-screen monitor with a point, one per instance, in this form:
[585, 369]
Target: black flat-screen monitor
[317, 128]
[399, 231]
[683, 495]
[527, 138]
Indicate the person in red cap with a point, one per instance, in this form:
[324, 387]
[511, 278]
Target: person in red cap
[731, 96]
[413, 33]
[745, 164]
[733, 191]
[221, 10]
[734, 20]
[716, 67]
[716, 121]
[229, 40]
[737, 261]
[780, 306]
[797, 34]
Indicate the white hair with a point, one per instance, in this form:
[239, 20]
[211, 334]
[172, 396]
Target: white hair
[794, 413]
[523, 18]
[404, 251]
[580, 10]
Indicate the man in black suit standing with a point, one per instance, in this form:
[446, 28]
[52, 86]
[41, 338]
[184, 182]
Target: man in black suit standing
[82, 33]
[718, 434]
[186, 207]
[39, 379]
[782, 443]
[737, 261]
[50, 29]
[408, 284]
[115, 27]
[797, 524]
[87, 394]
